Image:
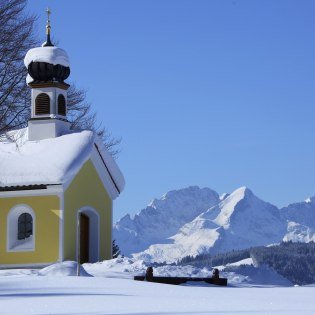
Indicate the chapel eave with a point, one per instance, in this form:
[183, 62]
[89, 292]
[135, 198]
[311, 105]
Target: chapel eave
[60, 85]
[26, 187]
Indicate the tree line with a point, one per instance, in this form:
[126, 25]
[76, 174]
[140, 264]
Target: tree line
[294, 261]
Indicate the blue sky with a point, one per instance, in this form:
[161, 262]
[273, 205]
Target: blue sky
[210, 93]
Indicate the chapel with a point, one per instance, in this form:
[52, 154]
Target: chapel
[57, 185]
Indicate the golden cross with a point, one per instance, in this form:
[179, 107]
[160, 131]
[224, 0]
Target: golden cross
[48, 14]
[48, 21]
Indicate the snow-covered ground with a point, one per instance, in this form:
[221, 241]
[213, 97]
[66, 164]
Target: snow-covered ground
[111, 290]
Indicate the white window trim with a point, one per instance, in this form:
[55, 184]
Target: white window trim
[13, 244]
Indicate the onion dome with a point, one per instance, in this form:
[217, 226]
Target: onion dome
[47, 63]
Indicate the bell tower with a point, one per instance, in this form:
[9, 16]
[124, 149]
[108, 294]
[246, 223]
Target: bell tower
[48, 67]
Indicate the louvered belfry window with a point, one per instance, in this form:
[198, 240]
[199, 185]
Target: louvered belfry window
[25, 226]
[42, 104]
[61, 105]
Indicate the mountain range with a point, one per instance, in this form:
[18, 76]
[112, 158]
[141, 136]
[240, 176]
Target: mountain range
[195, 220]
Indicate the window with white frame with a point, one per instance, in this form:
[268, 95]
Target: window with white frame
[21, 229]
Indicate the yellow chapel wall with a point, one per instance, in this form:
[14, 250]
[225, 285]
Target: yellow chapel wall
[47, 218]
[87, 190]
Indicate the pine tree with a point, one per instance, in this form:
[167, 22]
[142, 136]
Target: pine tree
[116, 250]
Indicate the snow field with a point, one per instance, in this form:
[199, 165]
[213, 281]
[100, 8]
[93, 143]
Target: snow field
[108, 288]
[97, 295]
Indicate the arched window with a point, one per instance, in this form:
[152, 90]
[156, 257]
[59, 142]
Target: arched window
[25, 226]
[61, 105]
[42, 104]
[21, 229]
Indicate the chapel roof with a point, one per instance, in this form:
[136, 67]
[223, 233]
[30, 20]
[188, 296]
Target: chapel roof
[53, 161]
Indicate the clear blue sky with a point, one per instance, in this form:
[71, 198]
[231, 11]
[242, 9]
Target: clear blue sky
[210, 93]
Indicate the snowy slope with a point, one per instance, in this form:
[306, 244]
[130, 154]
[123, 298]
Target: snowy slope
[162, 218]
[246, 221]
[241, 220]
[248, 275]
[301, 221]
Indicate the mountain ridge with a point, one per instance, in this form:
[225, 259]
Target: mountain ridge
[194, 220]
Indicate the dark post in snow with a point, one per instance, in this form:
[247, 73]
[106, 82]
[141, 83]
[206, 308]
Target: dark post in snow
[215, 274]
[149, 274]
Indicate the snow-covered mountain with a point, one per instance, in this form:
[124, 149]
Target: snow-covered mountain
[241, 220]
[192, 221]
[162, 218]
[301, 221]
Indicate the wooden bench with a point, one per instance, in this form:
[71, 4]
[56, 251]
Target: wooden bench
[180, 280]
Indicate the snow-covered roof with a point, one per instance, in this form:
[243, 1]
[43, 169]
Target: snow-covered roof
[54, 160]
[51, 54]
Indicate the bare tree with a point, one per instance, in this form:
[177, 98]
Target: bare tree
[16, 38]
[81, 116]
